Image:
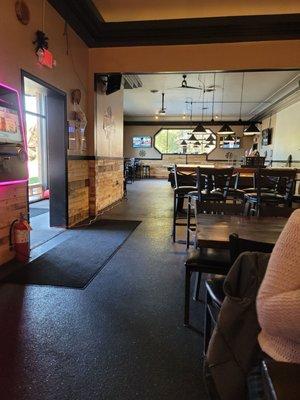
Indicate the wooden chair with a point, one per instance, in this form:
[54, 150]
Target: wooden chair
[283, 181]
[212, 261]
[212, 185]
[185, 182]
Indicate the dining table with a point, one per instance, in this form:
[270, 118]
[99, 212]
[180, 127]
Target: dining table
[213, 230]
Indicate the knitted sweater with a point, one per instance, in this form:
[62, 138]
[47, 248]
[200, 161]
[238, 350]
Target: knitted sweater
[278, 300]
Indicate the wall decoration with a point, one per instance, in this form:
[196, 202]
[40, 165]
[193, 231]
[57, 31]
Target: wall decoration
[45, 57]
[22, 12]
[77, 140]
[109, 125]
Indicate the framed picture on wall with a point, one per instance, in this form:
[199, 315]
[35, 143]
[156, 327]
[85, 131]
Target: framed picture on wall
[266, 137]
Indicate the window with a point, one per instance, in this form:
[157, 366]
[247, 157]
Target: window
[36, 133]
[170, 141]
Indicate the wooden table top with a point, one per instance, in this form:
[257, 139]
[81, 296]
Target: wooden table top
[214, 230]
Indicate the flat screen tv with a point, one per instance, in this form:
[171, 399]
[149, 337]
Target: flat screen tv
[230, 144]
[10, 128]
[141, 142]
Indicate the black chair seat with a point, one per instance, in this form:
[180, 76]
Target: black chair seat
[265, 197]
[209, 260]
[213, 195]
[235, 193]
[254, 190]
[214, 286]
[184, 189]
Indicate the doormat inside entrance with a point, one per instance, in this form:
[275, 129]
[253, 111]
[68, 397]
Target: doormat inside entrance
[76, 261]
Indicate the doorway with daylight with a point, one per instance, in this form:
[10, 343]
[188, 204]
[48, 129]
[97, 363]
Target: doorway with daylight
[45, 117]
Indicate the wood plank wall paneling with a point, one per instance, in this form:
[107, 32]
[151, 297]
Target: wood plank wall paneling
[78, 190]
[13, 200]
[106, 183]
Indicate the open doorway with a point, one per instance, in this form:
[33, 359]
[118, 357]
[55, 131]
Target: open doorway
[45, 116]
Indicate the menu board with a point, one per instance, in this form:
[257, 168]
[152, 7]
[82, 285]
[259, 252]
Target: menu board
[10, 131]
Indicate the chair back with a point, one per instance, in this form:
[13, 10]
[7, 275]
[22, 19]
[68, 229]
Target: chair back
[238, 245]
[213, 179]
[212, 207]
[281, 179]
[184, 176]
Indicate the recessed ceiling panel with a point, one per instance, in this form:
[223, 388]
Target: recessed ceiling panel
[257, 91]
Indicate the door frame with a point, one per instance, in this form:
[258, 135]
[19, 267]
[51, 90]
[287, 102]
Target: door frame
[25, 74]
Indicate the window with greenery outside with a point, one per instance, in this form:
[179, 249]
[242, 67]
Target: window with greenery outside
[168, 141]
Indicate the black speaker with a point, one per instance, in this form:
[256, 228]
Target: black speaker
[113, 83]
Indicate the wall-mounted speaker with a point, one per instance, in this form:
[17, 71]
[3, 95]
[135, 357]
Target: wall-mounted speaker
[114, 82]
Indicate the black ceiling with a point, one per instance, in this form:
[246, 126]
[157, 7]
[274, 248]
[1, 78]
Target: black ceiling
[84, 18]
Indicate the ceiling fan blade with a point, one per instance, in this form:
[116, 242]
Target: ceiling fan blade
[193, 87]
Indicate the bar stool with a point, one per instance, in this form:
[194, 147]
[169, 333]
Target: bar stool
[185, 182]
[145, 171]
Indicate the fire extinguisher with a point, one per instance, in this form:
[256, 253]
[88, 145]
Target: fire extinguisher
[19, 238]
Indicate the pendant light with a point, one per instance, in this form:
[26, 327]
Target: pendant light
[197, 143]
[192, 138]
[200, 128]
[183, 143]
[251, 130]
[225, 129]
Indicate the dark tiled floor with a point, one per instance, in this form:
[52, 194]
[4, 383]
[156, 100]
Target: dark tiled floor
[120, 338]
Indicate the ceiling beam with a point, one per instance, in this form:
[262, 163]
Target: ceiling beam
[85, 19]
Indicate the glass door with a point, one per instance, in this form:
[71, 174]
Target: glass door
[36, 138]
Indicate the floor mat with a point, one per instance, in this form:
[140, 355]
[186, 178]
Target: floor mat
[77, 260]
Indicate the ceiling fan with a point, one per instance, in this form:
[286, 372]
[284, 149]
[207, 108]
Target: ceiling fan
[184, 85]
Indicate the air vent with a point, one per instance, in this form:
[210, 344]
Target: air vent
[132, 82]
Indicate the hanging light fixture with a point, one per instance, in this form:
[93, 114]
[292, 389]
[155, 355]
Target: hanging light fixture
[183, 143]
[196, 144]
[225, 129]
[192, 138]
[199, 129]
[251, 130]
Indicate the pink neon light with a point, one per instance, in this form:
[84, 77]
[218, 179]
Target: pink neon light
[23, 134]
[13, 182]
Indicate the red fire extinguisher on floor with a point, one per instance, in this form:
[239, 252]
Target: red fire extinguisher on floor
[19, 238]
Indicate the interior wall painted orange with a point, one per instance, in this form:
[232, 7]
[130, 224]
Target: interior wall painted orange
[16, 53]
[130, 10]
[204, 57]
[17, 50]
